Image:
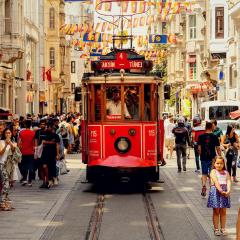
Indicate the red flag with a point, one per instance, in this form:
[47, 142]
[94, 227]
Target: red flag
[49, 75]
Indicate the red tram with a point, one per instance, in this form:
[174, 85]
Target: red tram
[122, 129]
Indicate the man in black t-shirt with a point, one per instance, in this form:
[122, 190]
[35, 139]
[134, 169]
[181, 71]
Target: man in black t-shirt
[208, 145]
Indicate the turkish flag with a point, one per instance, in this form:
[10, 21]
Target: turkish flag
[49, 75]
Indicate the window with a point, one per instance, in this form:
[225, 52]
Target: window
[7, 16]
[192, 67]
[51, 18]
[3, 94]
[73, 87]
[73, 67]
[192, 27]
[52, 57]
[219, 22]
[221, 112]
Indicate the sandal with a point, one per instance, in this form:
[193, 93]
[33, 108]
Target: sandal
[5, 206]
[223, 231]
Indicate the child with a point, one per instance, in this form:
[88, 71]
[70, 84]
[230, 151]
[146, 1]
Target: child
[219, 193]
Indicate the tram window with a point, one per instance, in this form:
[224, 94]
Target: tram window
[113, 104]
[98, 95]
[132, 101]
[147, 95]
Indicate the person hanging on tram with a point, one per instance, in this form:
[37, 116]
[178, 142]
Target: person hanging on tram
[113, 105]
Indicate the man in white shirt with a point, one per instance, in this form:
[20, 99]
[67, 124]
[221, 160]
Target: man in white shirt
[114, 106]
[169, 137]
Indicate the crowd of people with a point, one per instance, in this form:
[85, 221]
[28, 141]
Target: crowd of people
[34, 148]
[218, 154]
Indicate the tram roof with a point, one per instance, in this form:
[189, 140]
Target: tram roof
[124, 78]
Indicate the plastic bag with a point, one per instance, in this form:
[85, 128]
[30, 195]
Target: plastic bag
[238, 162]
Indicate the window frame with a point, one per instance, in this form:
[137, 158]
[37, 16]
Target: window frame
[192, 29]
[52, 56]
[73, 66]
[52, 18]
[91, 103]
[193, 71]
[219, 23]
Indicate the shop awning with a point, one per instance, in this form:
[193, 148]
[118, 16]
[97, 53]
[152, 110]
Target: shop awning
[191, 59]
[199, 87]
[235, 114]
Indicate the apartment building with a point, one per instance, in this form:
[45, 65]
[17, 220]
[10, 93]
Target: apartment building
[57, 58]
[77, 13]
[11, 50]
[233, 56]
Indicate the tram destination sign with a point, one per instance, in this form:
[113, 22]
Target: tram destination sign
[122, 62]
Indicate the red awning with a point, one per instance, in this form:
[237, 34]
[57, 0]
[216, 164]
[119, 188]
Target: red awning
[199, 87]
[191, 59]
[235, 114]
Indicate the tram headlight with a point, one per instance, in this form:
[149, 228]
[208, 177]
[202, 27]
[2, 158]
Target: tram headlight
[122, 145]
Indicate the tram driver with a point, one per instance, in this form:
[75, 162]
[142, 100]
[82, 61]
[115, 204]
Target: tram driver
[113, 105]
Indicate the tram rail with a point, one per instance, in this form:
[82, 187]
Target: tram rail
[96, 219]
[154, 226]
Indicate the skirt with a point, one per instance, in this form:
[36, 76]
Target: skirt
[216, 199]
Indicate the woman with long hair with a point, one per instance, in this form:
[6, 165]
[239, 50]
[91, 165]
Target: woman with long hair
[231, 144]
[6, 145]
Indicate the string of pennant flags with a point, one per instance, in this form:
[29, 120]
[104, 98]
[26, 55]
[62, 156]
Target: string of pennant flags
[163, 8]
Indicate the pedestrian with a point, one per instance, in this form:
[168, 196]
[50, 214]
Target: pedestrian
[5, 146]
[231, 143]
[208, 144]
[219, 194]
[216, 130]
[40, 162]
[181, 140]
[197, 130]
[26, 145]
[169, 138]
[51, 153]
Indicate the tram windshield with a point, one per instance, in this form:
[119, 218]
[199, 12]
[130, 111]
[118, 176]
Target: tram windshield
[119, 102]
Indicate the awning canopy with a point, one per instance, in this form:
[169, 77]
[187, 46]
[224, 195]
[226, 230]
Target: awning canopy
[199, 87]
[191, 59]
[235, 114]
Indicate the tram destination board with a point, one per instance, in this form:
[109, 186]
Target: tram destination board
[122, 60]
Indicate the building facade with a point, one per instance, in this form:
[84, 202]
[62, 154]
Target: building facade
[11, 50]
[77, 13]
[57, 58]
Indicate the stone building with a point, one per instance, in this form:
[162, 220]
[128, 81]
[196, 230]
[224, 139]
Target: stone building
[57, 58]
[11, 52]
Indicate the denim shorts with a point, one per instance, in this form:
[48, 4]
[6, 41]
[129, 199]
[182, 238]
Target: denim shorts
[206, 167]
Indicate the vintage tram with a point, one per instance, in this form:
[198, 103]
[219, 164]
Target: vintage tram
[122, 129]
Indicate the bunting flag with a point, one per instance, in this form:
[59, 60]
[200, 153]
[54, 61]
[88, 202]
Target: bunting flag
[98, 5]
[125, 6]
[108, 6]
[142, 7]
[159, 7]
[134, 7]
[176, 8]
